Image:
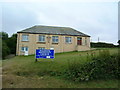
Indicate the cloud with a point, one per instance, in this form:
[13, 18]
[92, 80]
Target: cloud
[95, 19]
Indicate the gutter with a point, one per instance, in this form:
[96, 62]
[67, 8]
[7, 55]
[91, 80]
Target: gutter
[54, 34]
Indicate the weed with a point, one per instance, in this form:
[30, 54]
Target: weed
[103, 66]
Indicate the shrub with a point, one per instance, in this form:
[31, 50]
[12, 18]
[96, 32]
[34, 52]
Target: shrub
[7, 44]
[102, 45]
[104, 66]
[5, 50]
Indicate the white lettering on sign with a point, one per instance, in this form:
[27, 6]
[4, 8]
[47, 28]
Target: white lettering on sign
[48, 57]
[44, 52]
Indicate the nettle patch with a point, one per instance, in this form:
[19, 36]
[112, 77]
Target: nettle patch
[103, 66]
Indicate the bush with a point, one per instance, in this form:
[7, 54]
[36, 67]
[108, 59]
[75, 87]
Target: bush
[8, 45]
[102, 45]
[5, 50]
[104, 66]
[12, 41]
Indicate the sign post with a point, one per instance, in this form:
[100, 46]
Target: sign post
[44, 53]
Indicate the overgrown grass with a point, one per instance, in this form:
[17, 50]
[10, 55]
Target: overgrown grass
[50, 72]
[102, 66]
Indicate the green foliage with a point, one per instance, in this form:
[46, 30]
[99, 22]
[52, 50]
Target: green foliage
[5, 50]
[8, 44]
[4, 36]
[104, 66]
[24, 72]
[91, 66]
[102, 45]
[12, 41]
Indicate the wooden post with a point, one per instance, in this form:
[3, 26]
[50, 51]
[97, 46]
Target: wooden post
[36, 60]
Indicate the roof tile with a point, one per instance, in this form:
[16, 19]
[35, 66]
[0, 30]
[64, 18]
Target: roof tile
[53, 30]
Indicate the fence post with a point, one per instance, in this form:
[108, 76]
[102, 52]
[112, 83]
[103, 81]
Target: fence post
[36, 60]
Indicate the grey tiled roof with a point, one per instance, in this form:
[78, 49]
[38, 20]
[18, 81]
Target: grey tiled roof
[53, 30]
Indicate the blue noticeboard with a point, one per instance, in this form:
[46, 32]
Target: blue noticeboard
[44, 53]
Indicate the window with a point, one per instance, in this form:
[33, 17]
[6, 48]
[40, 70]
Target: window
[41, 38]
[24, 37]
[41, 47]
[24, 48]
[68, 39]
[55, 39]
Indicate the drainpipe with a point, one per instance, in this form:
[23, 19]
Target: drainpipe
[48, 38]
[17, 46]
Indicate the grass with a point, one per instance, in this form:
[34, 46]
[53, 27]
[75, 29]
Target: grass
[24, 72]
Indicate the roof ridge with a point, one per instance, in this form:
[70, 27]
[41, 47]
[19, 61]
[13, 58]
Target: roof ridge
[52, 26]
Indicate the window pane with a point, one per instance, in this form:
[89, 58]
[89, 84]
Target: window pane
[55, 39]
[24, 37]
[39, 38]
[68, 39]
[79, 38]
[26, 48]
[22, 48]
[42, 38]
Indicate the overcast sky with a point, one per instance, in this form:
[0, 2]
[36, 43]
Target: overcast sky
[97, 19]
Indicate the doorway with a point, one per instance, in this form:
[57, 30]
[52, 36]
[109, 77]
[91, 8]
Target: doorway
[79, 41]
[25, 50]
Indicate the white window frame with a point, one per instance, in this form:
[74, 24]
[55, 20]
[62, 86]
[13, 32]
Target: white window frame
[55, 39]
[68, 39]
[42, 38]
[24, 48]
[41, 47]
[25, 37]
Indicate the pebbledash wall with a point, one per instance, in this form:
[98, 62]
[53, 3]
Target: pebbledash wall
[33, 43]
